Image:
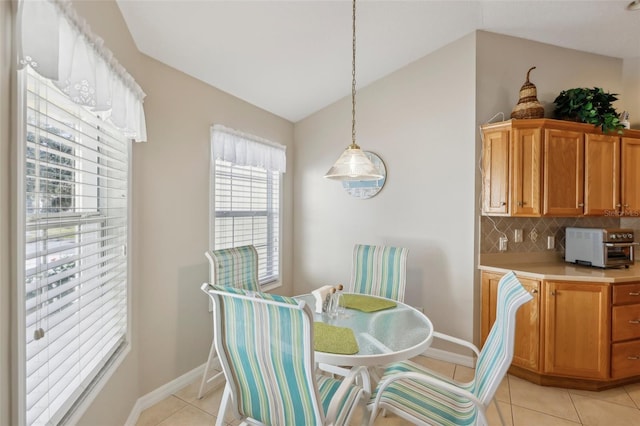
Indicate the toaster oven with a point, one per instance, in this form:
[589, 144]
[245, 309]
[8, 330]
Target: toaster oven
[600, 247]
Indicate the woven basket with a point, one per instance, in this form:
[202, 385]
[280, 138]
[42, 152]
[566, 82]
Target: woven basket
[528, 105]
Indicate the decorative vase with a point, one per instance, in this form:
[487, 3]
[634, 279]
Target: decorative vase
[528, 105]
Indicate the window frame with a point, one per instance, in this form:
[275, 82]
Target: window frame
[267, 284]
[20, 224]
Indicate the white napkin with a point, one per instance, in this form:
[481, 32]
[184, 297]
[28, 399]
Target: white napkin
[320, 295]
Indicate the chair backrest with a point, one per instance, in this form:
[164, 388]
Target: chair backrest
[379, 271]
[497, 353]
[265, 345]
[234, 267]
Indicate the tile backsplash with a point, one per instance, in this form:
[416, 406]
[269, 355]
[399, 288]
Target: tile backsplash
[492, 228]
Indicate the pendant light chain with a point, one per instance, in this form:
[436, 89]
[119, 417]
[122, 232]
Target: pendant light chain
[354, 164]
[353, 80]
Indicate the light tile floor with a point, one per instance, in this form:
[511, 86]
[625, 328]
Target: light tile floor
[522, 404]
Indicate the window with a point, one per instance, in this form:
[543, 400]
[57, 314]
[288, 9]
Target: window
[74, 213]
[246, 183]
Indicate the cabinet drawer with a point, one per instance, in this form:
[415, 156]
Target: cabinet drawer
[626, 293]
[625, 359]
[625, 323]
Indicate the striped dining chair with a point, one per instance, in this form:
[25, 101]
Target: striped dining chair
[232, 267]
[422, 397]
[379, 271]
[265, 345]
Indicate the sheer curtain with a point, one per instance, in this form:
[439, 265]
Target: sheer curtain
[78, 111]
[60, 46]
[243, 149]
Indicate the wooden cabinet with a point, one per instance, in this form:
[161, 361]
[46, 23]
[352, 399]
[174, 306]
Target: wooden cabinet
[527, 344]
[583, 335]
[527, 336]
[495, 172]
[601, 175]
[625, 331]
[544, 167]
[526, 167]
[630, 188]
[511, 168]
[576, 329]
[563, 173]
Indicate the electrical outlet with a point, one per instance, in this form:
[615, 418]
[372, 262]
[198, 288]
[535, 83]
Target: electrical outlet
[503, 244]
[517, 236]
[551, 242]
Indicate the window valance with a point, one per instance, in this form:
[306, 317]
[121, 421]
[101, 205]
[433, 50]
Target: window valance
[60, 46]
[247, 150]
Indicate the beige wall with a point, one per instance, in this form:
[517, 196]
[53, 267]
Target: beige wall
[171, 322]
[503, 63]
[5, 259]
[630, 95]
[420, 121]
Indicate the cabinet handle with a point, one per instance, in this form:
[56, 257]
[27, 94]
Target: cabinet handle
[634, 321]
[636, 357]
[618, 205]
[534, 291]
[626, 205]
[503, 203]
[580, 204]
[634, 293]
[553, 292]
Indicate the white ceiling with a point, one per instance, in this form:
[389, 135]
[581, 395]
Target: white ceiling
[293, 58]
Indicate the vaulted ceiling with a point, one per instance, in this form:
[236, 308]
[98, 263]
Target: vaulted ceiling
[293, 58]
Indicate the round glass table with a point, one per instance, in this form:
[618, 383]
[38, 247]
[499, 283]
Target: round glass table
[385, 336]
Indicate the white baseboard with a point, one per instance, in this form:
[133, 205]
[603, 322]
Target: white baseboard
[161, 393]
[447, 356]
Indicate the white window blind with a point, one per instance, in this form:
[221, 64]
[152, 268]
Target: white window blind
[246, 206]
[75, 213]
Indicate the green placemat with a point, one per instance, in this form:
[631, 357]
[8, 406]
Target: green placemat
[335, 340]
[366, 303]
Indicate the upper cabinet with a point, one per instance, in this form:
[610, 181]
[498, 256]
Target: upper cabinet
[545, 167]
[630, 186]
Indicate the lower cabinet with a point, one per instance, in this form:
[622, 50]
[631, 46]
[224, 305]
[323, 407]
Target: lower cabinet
[625, 314]
[576, 329]
[527, 337]
[581, 335]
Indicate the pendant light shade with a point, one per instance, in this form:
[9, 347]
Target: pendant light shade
[353, 164]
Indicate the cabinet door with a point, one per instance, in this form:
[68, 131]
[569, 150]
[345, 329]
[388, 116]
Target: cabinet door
[489, 293]
[495, 172]
[526, 352]
[526, 172]
[563, 173]
[601, 175]
[630, 176]
[527, 339]
[576, 329]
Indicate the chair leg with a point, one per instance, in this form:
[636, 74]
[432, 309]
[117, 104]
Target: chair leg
[224, 403]
[212, 354]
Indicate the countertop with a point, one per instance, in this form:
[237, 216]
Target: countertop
[551, 267]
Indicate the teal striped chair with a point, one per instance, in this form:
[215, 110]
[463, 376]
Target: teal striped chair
[422, 397]
[379, 271]
[265, 345]
[232, 267]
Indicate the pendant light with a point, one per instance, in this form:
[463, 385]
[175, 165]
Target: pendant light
[353, 164]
